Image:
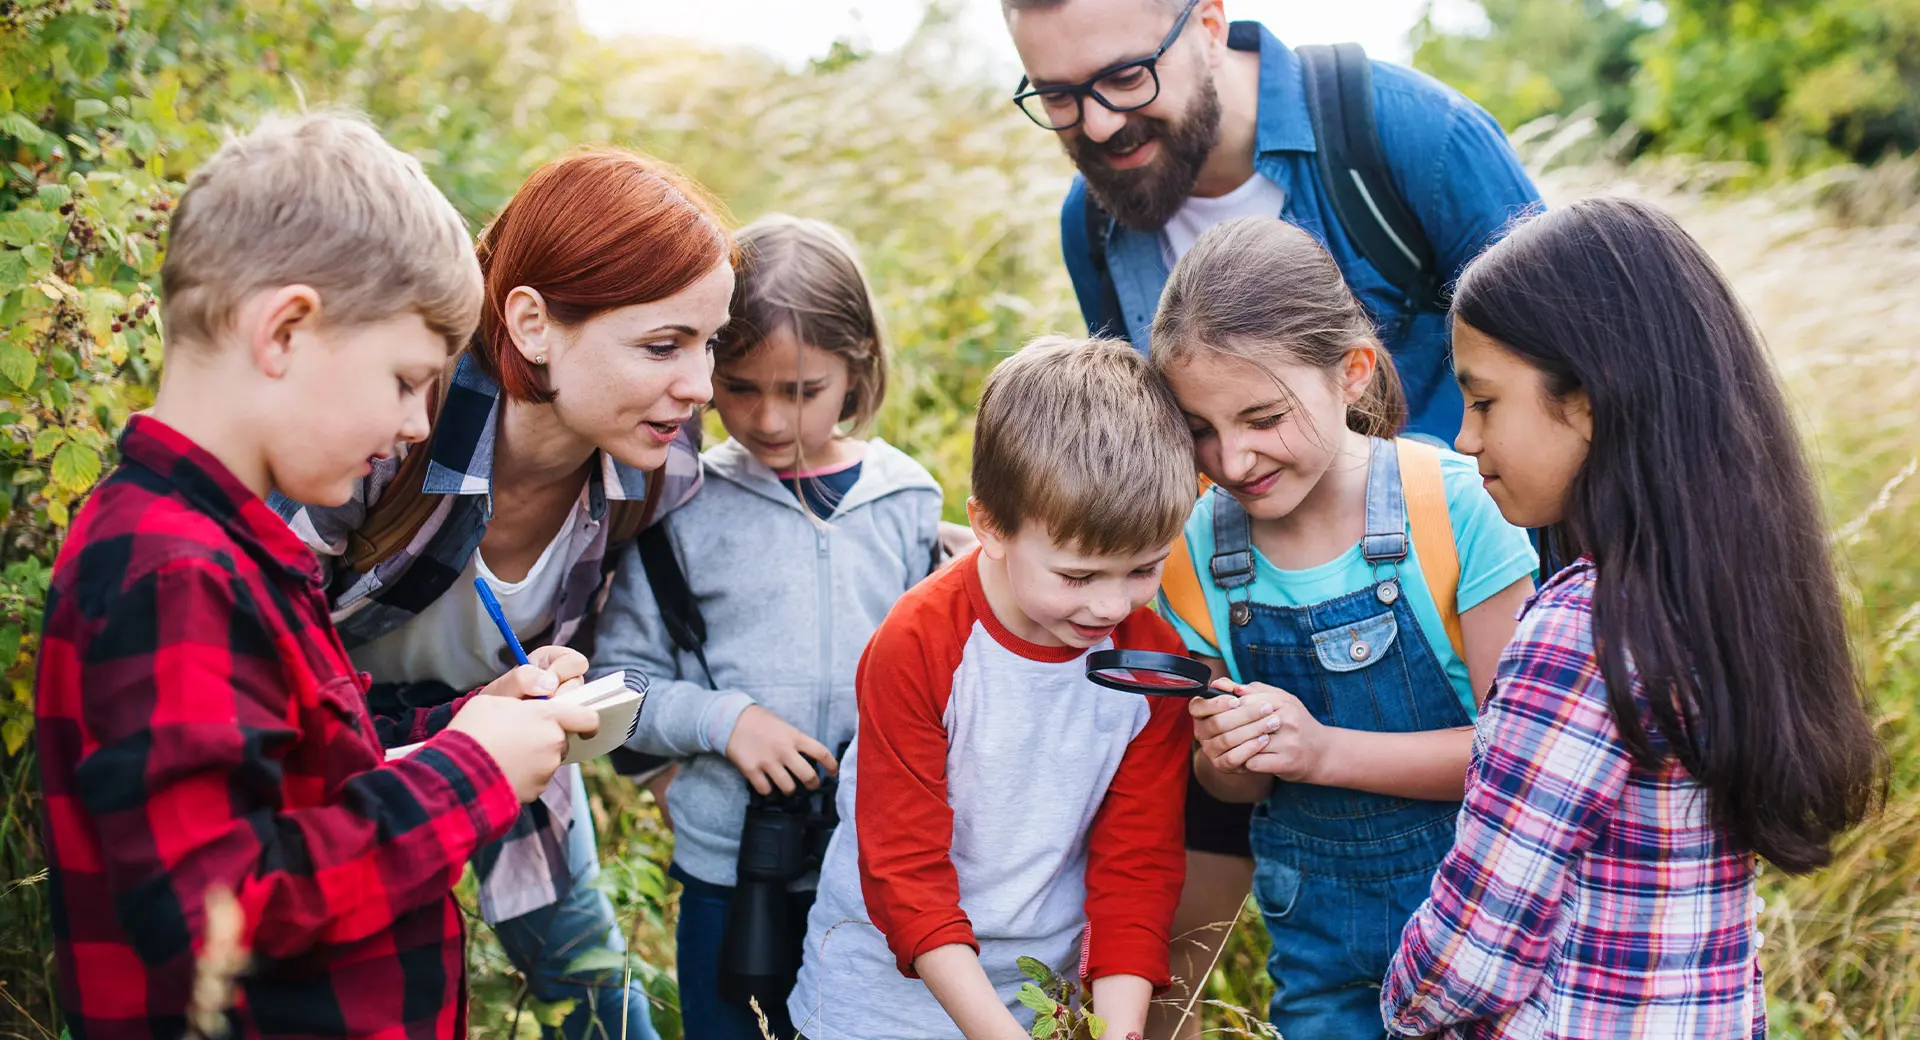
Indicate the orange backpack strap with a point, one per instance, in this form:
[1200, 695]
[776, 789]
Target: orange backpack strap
[1180, 584]
[1426, 493]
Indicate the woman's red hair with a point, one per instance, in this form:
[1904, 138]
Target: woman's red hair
[590, 232]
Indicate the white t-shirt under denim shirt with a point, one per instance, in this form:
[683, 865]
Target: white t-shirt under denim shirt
[1258, 197]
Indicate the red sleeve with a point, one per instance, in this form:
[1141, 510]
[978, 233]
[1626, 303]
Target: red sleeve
[196, 748]
[1136, 855]
[900, 799]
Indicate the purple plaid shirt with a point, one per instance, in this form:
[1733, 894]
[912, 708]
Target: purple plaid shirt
[1585, 896]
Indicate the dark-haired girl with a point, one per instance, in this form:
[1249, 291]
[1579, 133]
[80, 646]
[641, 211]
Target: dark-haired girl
[1678, 702]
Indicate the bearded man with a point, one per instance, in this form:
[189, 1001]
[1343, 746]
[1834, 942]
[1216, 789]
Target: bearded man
[1215, 124]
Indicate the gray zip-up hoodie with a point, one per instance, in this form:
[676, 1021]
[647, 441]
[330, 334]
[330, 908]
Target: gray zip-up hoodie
[789, 604]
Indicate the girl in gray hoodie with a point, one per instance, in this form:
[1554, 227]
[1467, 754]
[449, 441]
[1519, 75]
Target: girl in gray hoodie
[796, 547]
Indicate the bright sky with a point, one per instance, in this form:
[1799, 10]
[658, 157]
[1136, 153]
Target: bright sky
[799, 29]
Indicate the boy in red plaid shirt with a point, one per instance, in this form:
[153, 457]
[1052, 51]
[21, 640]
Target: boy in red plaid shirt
[199, 724]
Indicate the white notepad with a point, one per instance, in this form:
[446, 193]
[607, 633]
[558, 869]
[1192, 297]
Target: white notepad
[618, 702]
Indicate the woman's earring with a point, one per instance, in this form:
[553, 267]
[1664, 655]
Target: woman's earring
[539, 359]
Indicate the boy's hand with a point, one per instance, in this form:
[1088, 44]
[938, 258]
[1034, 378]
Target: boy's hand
[551, 670]
[770, 753]
[526, 738]
[1257, 728]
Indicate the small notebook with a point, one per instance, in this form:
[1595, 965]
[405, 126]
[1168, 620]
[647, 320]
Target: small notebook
[617, 697]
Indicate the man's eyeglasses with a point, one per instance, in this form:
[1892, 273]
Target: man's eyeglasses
[1124, 87]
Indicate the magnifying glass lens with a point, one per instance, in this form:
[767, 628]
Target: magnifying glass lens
[1148, 672]
[1142, 677]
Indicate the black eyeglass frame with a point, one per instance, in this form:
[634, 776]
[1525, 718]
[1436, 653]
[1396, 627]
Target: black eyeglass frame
[1084, 89]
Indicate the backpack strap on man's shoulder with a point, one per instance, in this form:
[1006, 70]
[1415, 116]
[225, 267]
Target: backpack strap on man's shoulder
[1355, 173]
[1426, 492]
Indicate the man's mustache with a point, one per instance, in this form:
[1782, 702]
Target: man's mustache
[1126, 139]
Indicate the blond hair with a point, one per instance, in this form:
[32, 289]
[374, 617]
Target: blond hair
[320, 200]
[1263, 290]
[1076, 437]
[805, 276]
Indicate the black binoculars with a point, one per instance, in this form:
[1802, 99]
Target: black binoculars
[784, 838]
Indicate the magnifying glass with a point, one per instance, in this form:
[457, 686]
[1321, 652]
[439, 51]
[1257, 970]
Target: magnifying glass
[1148, 671]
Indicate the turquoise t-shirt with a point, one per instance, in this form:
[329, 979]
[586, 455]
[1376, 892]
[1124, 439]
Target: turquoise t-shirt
[1493, 555]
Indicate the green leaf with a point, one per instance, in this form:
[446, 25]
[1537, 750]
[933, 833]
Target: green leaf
[48, 440]
[13, 270]
[14, 733]
[26, 227]
[10, 637]
[57, 512]
[1045, 1027]
[550, 1013]
[76, 466]
[1035, 970]
[597, 960]
[18, 364]
[141, 138]
[89, 108]
[54, 196]
[87, 54]
[21, 129]
[1096, 1026]
[1031, 996]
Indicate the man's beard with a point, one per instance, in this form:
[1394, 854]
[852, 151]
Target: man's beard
[1146, 197]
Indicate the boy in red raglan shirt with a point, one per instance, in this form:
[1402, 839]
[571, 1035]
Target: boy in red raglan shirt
[997, 803]
[199, 725]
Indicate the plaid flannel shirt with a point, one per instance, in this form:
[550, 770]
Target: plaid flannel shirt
[528, 869]
[199, 724]
[1585, 896]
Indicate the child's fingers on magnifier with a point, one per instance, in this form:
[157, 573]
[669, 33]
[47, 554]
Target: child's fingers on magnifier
[757, 780]
[1236, 758]
[1207, 707]
[1239, 736]
[1245, 714]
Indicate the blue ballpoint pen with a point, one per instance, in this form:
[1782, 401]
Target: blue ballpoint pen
[500, 620]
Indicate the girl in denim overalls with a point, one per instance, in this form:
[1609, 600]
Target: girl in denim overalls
[1345, 704]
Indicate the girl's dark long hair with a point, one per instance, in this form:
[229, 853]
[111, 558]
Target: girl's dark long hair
[1697, 506]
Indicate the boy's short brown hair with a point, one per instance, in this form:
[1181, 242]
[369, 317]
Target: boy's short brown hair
[319, 200]
[1076, 436]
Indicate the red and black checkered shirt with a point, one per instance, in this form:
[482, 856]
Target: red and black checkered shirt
[199, 724]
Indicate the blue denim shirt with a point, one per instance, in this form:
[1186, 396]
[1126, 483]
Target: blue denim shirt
[1450, 160]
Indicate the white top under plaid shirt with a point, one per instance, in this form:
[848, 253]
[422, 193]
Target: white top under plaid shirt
[527, 869]
[1585, 896]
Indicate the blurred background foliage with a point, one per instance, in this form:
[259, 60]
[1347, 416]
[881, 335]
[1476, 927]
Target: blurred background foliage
[1780, 130]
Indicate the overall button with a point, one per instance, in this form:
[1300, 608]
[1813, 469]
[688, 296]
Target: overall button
[1387, 592]
[1360, 651]
[1240, 613]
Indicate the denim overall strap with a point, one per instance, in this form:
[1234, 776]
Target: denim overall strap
[1232, 563]
[1386, 537]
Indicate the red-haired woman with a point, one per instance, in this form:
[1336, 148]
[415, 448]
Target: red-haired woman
[563, 427]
